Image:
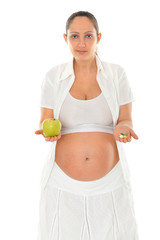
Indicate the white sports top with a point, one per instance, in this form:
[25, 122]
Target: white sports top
[91, 115]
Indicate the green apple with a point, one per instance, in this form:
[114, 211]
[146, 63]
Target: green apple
[51, 127]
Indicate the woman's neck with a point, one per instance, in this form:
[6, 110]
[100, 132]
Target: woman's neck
[85, 66]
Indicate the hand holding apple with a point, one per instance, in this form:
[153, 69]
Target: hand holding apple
[51, 127]
[50, 130]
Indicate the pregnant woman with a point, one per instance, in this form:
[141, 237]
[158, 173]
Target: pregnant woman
[86, 192]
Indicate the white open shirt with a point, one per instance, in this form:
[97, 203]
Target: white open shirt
[114, 85]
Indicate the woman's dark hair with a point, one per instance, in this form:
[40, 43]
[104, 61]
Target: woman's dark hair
[82, 14]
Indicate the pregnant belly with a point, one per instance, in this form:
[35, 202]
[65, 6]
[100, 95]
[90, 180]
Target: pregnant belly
[86, 156]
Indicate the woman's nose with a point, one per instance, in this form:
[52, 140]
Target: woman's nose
[82, 43]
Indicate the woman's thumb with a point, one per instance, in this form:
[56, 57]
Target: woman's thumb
[39, 132]
[133, 134]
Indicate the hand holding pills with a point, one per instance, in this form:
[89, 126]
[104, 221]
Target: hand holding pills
[124, 134]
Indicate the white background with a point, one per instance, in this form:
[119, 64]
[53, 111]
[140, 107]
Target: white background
[31, 43]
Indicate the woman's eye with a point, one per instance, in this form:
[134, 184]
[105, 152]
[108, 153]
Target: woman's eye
[74, 36]
[89, 36]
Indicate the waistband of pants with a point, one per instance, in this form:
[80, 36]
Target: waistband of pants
[111, 181]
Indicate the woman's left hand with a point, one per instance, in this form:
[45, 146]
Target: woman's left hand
[125, 130]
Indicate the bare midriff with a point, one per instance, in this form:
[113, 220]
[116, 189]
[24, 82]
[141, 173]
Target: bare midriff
[86, 156]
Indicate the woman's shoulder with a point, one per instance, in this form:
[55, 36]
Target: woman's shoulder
[115, 70]
[57, 68]
[54, 73]
[112, 66]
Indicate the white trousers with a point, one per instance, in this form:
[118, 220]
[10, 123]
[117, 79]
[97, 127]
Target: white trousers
[102, 209]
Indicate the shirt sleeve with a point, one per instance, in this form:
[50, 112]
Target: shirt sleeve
[125, 91]
[47, 93]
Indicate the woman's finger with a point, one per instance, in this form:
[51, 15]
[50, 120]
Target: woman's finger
[55, 138]
[133, 134]
[125, 140]
[46, 138]
[39, 132]
[120, 139]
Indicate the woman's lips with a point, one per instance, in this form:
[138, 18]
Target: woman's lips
[81, 52]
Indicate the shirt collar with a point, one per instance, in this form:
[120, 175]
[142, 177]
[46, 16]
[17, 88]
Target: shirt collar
[68, 69]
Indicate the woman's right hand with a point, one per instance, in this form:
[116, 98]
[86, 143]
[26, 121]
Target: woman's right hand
[48, 139]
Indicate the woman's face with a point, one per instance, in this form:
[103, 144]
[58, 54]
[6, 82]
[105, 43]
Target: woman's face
[82, 38]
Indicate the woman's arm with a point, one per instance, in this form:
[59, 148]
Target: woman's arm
[45, 113]
[124, 124]
[125, 115]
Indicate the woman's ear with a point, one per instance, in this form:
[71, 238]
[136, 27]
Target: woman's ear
[99, 37]
[65, 37]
